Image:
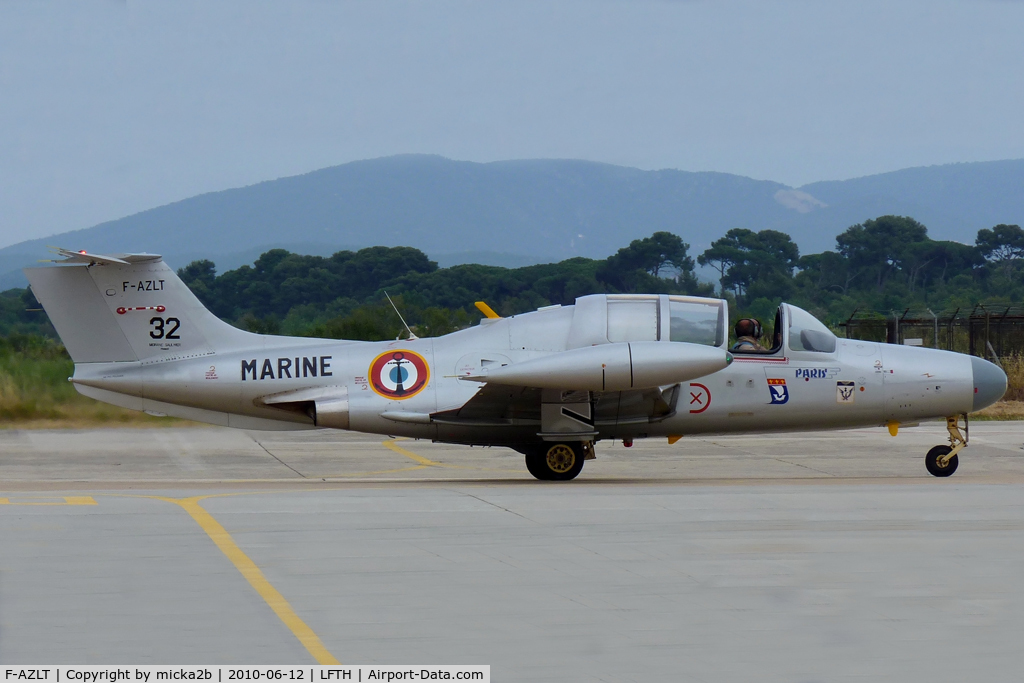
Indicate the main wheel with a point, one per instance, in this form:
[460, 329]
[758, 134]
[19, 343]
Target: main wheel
[535, 463]
[556, 462]
[937, 469]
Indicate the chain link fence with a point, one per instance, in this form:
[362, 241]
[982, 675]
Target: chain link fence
[987, 330]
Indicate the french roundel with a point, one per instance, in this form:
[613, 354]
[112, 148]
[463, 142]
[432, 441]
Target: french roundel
[399, 374]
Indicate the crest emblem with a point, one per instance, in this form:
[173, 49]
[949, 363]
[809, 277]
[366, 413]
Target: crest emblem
[399, 375]
[779, 391]
[844, 392]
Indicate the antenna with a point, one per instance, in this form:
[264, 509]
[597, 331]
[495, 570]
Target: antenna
[407, 328]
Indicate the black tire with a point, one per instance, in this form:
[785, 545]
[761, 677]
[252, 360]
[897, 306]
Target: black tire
[535, 463]
[556, 461]
[931, 461]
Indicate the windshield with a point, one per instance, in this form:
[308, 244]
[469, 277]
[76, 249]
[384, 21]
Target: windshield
[807, 333]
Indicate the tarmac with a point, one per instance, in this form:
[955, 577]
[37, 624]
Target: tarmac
[789, 557]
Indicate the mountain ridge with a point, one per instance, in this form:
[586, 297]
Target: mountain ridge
[532, 209]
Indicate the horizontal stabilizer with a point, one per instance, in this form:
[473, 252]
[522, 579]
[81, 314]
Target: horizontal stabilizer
[406, 417]
[101, 259]
[311, 394]
[328, 406]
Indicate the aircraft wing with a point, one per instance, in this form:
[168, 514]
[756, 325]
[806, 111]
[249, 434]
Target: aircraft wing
[500, 405]
[496, 405]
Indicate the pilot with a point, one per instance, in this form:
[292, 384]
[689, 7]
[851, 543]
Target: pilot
[748, 334]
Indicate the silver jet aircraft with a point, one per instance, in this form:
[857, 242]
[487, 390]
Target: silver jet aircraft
[549, 384]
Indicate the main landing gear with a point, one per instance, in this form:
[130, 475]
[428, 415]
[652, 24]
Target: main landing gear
[941, 461]
[559, 461]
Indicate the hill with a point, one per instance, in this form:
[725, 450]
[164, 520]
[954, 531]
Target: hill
[519, 212]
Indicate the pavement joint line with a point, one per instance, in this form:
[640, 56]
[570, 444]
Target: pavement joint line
[253, 574]
[368, 474]
[511, 512]
[267, 451]
[807, 467]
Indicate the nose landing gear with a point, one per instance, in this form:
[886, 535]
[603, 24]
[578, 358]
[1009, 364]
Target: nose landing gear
[942, 461]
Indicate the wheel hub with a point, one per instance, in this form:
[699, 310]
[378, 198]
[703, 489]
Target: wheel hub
[561, 458]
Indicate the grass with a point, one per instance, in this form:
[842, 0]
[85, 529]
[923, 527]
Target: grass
[1013, 366]
[1004, 410]
[1011, 407]
[35, 392]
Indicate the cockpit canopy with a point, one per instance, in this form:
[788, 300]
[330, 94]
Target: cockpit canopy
[667, 318]
[603, 318]
[807, 333]
[796, 329]
[697, 321]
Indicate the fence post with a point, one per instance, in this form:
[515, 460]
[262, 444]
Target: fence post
[988, 327]
[949, 331]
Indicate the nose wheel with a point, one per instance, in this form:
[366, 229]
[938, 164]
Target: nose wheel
[939, 461]
[942, 461]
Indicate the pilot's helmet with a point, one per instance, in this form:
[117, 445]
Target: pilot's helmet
[748, 327]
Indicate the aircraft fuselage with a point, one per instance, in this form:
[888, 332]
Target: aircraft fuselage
[860, 384]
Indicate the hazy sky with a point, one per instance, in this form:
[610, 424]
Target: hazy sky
[108, 108]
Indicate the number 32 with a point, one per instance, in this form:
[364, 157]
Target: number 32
[158, 328]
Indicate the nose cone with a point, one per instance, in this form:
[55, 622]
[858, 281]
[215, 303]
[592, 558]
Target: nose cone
[989, 382]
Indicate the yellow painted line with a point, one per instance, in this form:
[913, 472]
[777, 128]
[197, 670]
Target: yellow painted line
[48, 500]
[425, 462]
[393, 445]
[252, 573]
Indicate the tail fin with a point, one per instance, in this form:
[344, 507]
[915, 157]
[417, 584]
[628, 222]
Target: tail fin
[128, 307]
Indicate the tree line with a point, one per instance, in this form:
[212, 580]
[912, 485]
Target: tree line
[888, 263]
[343, 295]
[885, 264]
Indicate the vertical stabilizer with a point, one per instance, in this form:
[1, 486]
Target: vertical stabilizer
[129, 307]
